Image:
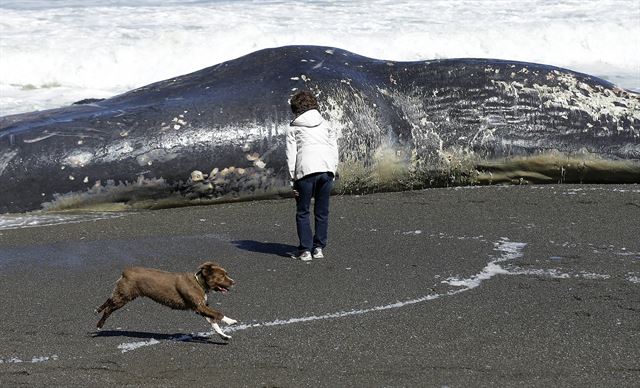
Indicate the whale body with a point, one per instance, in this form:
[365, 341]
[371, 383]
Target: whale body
[436, 122]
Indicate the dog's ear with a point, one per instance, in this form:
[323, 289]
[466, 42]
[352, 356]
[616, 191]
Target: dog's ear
[207, 268]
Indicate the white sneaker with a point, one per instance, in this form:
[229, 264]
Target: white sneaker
[303, 256]
[317, 253]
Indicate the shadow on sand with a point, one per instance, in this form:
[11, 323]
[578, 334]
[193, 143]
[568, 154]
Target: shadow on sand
[278, 249]
[179, 337]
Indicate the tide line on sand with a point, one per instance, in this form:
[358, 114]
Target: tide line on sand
[509, 251]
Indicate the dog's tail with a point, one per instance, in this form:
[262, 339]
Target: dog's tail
[98, 310]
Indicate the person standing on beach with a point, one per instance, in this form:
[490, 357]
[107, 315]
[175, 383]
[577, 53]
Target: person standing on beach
[312, 158]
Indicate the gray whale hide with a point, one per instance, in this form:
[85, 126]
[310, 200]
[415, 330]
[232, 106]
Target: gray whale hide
[402, 125]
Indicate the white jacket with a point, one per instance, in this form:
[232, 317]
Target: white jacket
[311, 145]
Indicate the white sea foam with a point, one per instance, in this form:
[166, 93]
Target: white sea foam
[34, 359]
[12, 360]
[339, 314]
[31, 220]
[633, 277]
[547, 273]
[57, 52]
[129, 346]
[510, 251]
[592, 276]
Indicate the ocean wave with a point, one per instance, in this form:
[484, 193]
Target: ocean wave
[135, 43]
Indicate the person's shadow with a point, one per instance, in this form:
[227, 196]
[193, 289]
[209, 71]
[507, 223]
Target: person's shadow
[278, 249]
[178, 337]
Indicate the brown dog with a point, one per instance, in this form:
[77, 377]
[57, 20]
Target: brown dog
[182, 291]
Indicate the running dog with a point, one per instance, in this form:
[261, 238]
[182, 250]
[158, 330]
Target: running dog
[181, 291]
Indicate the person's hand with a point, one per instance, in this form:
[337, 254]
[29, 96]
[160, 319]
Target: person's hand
[296, 193]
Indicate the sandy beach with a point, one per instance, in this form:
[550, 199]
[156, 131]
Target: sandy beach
[459, 287]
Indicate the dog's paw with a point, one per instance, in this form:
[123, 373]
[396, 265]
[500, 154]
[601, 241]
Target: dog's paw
[224, 336]
[217, 329]
[229, 321]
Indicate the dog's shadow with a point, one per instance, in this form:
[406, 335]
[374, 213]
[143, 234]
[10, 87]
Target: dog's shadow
[278, 249]
[178, 337]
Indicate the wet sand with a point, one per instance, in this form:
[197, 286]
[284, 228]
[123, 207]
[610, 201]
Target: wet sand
[506, 286]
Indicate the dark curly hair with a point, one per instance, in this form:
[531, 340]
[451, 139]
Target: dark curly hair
[303, 101]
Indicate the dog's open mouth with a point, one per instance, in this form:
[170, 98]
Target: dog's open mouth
[221, 289]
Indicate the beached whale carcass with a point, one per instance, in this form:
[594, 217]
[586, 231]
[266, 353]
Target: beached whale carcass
[411, 124]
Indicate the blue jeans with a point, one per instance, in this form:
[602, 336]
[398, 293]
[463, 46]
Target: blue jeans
[318, 186]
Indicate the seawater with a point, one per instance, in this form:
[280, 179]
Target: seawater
[55, 52]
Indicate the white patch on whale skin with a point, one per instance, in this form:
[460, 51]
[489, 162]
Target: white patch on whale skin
[575, 95]
[484, 136]
[167, 146]
[155, 155]
[117, 150]
[179, 121]
[5, 159]
[40, 138]
[78, 159]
